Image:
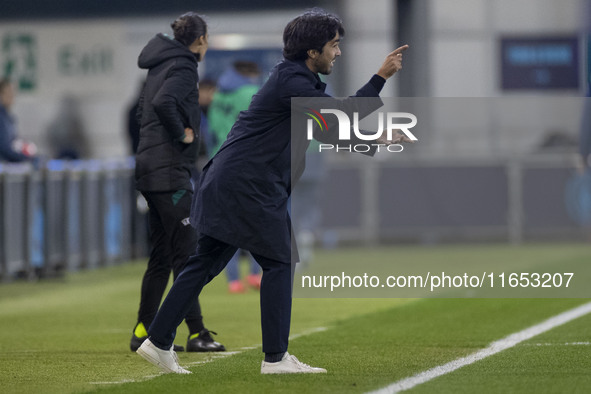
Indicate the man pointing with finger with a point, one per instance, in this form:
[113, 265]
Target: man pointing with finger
[244, 189]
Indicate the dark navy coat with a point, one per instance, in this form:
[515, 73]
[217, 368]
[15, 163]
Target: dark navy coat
[243, 193]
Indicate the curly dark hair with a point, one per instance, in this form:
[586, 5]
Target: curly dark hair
[189, 27]
[311, 30]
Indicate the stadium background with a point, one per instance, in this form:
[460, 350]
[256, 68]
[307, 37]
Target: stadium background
[89, 52]
[90, 49]
[505, 174]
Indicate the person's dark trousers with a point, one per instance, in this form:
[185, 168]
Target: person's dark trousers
[173, 241]
[209, 260]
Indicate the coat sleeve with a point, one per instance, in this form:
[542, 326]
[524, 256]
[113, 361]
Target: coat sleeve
[299, 84]
[178, 85]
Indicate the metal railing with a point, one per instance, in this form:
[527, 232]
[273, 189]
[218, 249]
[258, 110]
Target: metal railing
[522, 199]
[67, 215]
[84, 214]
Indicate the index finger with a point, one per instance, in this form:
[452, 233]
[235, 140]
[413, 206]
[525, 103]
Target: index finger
[400, 50]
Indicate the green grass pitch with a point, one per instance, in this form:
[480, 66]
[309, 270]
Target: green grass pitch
[71, 335]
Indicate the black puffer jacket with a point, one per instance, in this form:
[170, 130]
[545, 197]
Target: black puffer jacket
[168, 104]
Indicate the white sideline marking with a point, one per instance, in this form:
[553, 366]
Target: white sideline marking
[148, 377]
[307, 332]
[493, 348]
[213, 357]
[562, 344]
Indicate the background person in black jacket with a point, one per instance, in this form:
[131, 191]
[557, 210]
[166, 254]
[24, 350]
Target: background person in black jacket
[242, 198]
[165, 164]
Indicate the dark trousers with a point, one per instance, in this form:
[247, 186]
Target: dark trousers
[173, 241]
[209, 260]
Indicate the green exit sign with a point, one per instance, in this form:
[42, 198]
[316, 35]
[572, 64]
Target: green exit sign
[19, 59]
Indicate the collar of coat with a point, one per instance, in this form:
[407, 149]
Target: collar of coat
[313, 76]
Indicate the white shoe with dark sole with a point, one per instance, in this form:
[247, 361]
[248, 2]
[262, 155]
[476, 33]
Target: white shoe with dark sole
[289, 364]
[166, 360]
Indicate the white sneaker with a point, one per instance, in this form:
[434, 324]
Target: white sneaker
[166, 360]
[289, 364]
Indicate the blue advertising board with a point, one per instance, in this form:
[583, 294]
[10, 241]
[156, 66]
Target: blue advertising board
[540, 63]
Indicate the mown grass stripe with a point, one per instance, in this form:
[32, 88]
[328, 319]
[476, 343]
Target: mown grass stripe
[494, 348]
